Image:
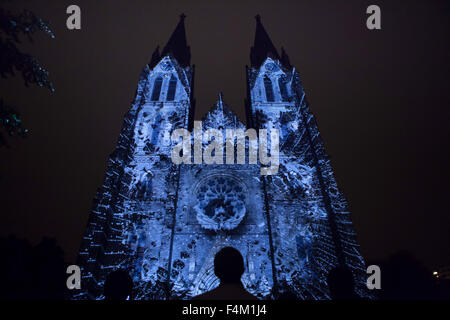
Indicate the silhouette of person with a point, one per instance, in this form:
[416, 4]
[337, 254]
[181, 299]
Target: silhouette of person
[228, 267]
[341, 284]
[118, 285]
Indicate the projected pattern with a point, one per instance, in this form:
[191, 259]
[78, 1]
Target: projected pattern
[164, 223]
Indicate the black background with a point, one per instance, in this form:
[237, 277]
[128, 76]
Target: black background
[381, 99]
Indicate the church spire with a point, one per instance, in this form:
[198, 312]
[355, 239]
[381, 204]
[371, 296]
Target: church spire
[262, 47]
[177, 44]
[220, 101]
[285, 59]
[155, 58]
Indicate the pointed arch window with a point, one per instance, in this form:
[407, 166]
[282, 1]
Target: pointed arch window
[157, 88]
[283, 88]
[269, 89]
[172, 88]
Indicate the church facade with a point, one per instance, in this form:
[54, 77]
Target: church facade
[164, 223]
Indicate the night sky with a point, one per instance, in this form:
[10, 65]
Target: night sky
[381, 99]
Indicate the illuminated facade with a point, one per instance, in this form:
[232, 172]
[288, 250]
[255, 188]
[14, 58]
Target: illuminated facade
[164, 222]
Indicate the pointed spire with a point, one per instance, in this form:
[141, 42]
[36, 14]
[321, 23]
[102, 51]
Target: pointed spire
[220, 116]
[285, 59]
[262, 47]
[155, 58]
[220, 102]
[177, 44]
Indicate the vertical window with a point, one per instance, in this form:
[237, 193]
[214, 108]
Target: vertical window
[156, 128]
[172, 88]
[269, 89]
[157, 89]
[283, 88]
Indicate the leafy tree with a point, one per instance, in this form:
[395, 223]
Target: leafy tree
[12, 60]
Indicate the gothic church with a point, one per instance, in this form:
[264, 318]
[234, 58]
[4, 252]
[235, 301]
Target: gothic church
[164, 223]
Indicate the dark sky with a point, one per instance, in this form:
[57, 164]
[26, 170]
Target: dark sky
[381, 99]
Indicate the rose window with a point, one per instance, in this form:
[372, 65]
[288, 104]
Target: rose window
[220, 203]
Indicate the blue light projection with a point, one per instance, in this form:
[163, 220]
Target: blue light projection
[164, 223]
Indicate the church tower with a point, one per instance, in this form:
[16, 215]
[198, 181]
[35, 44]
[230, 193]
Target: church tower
[310, 225]
[164, 223]
[131, 223]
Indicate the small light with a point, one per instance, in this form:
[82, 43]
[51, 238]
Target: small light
[435, 273]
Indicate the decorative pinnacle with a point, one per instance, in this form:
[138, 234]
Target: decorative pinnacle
[182, 16]
[221, 100]
[258, 18]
